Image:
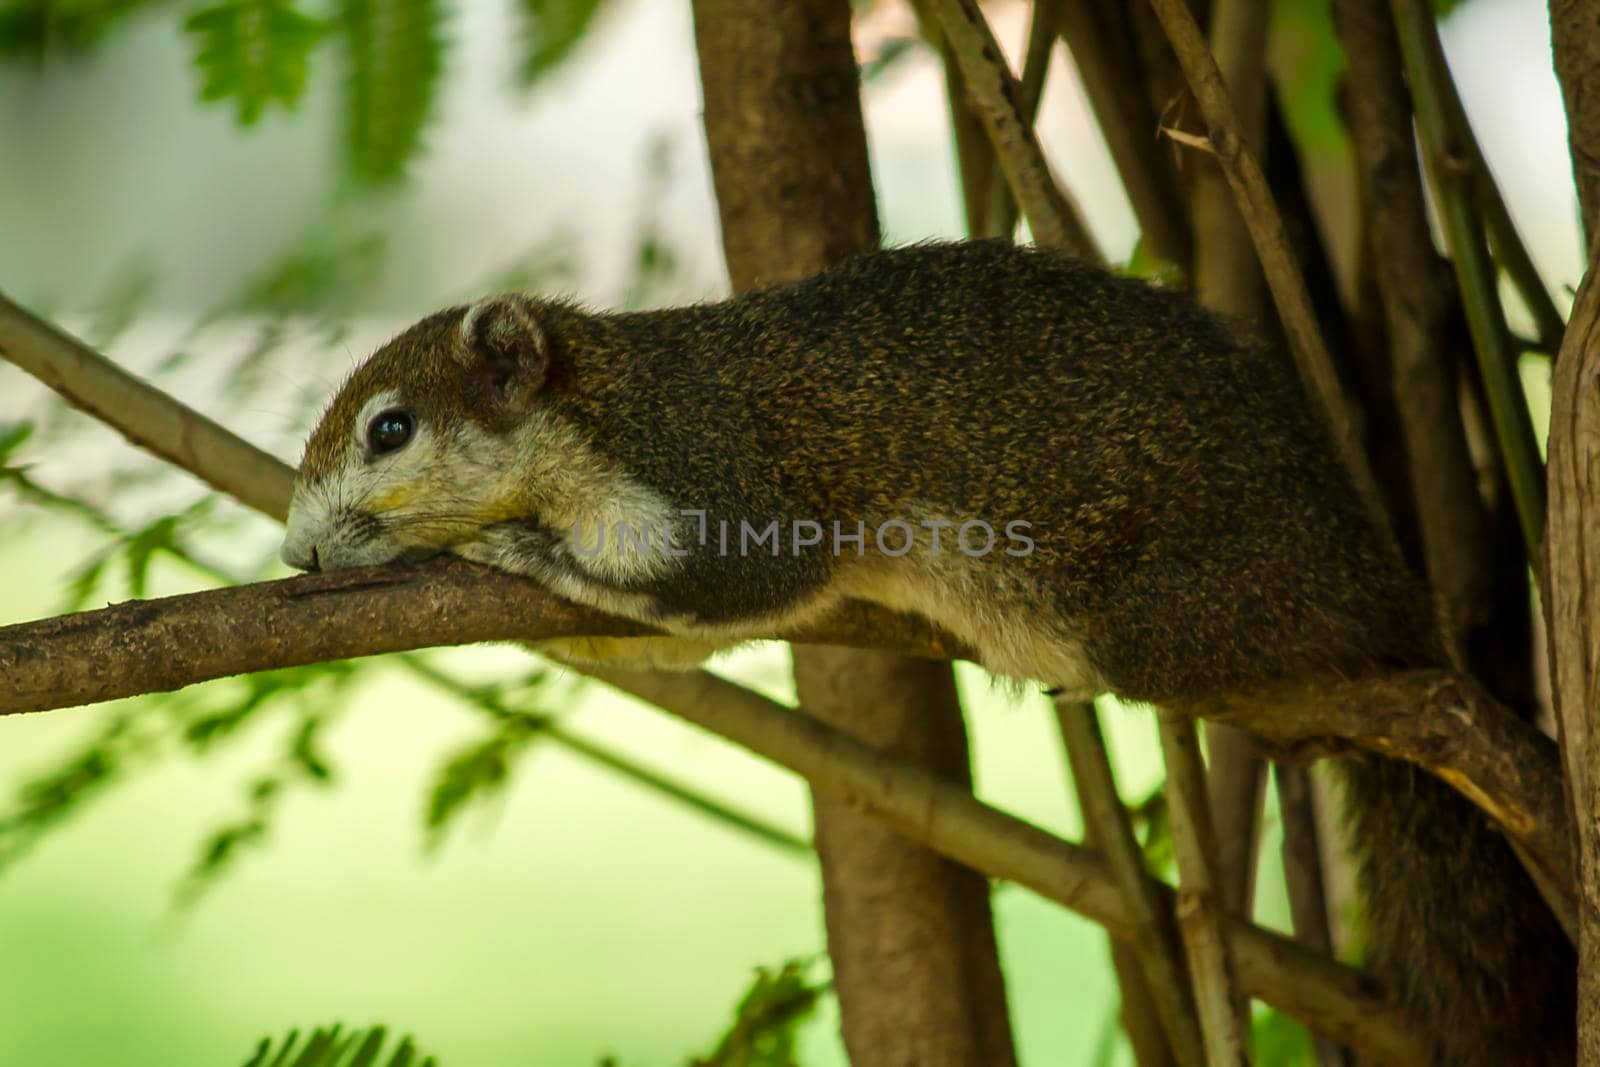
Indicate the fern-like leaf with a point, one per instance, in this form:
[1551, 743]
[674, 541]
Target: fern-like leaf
[396, 50]
[331, 1047]
[253, 52]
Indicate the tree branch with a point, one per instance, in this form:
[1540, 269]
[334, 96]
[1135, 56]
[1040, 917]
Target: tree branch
[155, 646]
[1451, 167]
[1575, 42]
[1108, 65]
[1227, 280]
[1260, 211]
[1572, 605]
[1303, 877]
[1448, 725]
[1328, 996]
[1415, 287]
[1222, 1011]
[1155, 939]
[1052, 216]
[143, 414]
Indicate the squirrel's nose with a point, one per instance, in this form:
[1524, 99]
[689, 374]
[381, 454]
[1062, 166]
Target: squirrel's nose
[301, 557]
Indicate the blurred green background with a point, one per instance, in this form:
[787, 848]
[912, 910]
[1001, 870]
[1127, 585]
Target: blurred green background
[179, 877]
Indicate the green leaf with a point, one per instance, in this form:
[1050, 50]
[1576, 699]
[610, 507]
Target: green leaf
[82, 585]
[766, 1025]
[253, 52]
[552, 29]
[326, 270]
[144, 544]
[476, 774]
[395, 50]
[333, 1047]
[13, 435]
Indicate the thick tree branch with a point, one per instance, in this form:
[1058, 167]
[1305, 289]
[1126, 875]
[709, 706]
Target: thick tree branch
[1451, 727]
[910, 933]
[1572, 605]
[155, 646]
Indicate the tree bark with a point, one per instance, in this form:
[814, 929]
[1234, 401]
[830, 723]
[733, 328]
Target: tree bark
[1575, 40]
[910, 933]
[1572, 604]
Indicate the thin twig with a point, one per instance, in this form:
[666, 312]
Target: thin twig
[1278, 263]
[975, 159]
[1417, 291]
[1052, 215]
[1303, 876]
[1236, 781]
[1226, 275]
[1001, 219]
[1227, 279]
[1223, 1010]
[1154, 938]
[1450, 167]
[634, 772]
[1507, 244]
[1112, 80]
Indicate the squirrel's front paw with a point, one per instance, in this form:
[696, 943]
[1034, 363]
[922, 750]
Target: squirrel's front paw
[652, 653]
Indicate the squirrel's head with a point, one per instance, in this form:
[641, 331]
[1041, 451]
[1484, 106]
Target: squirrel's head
[415, 453]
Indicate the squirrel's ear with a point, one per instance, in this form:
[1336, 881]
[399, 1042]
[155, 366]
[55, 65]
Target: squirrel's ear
[504, 349]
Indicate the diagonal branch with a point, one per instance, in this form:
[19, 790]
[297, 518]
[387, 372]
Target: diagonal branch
[1106, 826]
[1261, 215]
[143, 414]
[1223, 1013]
[947, 818]
[1103, 51]
[1451, 168]
[1052, 216]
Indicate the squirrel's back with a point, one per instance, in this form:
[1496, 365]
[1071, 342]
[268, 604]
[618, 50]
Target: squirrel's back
[1192, 527]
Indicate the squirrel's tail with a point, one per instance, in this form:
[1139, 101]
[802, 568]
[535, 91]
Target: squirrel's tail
[1455, 924]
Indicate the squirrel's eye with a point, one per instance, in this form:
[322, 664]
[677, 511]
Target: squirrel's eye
[389, 430]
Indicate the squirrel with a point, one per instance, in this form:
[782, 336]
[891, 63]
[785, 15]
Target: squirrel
[1087, 480]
